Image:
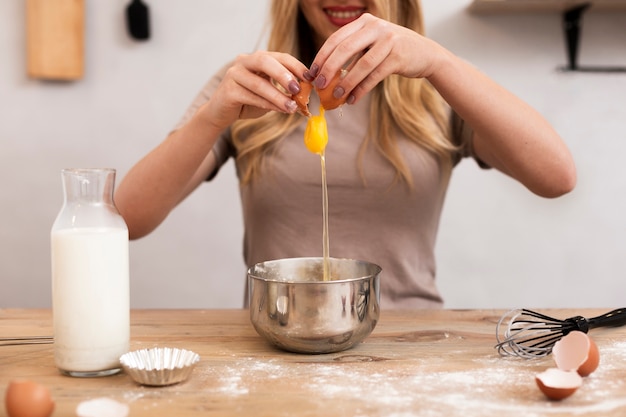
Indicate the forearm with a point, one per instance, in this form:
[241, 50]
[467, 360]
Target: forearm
[164, 177]
[508, 134]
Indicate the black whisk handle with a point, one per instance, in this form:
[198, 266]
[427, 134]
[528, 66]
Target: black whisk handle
[577, 323]
[611, 319]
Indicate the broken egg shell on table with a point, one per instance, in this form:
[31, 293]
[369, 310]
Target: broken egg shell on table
[576, 356]
[576, 352]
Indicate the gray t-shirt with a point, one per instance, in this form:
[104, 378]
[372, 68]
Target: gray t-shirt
[371, 218]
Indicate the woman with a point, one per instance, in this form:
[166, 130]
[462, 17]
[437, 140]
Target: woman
[413, 110]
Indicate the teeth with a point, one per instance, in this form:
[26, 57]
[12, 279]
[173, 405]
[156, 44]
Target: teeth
[344, 15]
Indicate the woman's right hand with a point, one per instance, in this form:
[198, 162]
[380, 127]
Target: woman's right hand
[248, 91]
[164, 177]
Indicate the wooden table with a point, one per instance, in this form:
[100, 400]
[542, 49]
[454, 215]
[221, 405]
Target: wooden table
[415, 363]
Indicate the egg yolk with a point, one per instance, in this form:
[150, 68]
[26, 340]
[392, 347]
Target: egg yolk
[316, 133]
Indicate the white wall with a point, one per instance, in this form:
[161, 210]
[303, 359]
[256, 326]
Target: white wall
[499, 245]
[502, 246]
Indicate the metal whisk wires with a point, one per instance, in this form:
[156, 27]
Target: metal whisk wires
[528, 334]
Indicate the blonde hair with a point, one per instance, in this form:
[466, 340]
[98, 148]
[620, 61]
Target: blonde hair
[411, 106]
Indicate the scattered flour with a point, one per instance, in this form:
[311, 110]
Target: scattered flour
[102, 407]
[489, 386]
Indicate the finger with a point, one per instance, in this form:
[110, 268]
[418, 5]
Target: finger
[355, 59]
[280, 68]
[236, 102]
[265, 95]
[343, 46]
[296, 67]
[365, 86]
[345, 55]
[366, 73]
[257, 90]
[330, 45]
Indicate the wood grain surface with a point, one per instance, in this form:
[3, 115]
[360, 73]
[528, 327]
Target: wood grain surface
[415, 363]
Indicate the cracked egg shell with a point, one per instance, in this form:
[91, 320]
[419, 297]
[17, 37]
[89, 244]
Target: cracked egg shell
[558, 384]
[576, 352]
[328, 101]
[302, 98]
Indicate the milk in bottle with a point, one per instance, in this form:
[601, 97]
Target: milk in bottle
[90, 276]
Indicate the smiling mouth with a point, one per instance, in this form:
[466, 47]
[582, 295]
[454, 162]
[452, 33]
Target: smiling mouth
[342, 17]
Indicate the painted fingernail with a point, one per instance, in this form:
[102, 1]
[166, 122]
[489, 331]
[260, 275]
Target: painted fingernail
[307, 76]
[351, 99]
[314, 70]
[291, 106]
[338, 92]
[294, 87]
[320, 81]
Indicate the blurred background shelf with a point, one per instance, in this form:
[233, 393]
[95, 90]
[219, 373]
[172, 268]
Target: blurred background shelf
[571, 11]
[535, 6]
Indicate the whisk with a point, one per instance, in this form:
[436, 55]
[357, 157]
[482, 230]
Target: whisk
[529, 334]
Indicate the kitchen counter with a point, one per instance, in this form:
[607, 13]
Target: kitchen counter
[415, 363]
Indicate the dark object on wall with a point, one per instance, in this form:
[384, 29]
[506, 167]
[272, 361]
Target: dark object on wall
[55, 39]
[572, 25]
[571, 11]
[138, 20]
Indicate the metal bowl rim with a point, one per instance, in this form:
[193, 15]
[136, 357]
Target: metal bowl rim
[372, 275]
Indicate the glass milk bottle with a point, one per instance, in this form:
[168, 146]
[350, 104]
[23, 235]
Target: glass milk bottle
[90, 276]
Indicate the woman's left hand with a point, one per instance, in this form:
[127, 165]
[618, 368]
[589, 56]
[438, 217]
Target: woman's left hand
[380, 48]
[509, 135]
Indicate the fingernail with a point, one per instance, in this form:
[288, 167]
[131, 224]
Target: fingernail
[307, 76]
[320, 82]
[294, 87]
[291, 106]
[351, 99]
[314, 70]
[338, 92]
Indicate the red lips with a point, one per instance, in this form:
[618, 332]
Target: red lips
[340, 16]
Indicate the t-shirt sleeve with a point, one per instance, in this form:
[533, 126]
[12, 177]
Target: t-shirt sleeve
[462, 137]
[223, 148]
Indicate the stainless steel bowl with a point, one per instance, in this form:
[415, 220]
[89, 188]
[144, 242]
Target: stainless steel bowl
[296, 310]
